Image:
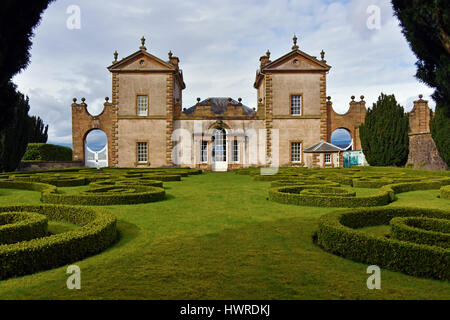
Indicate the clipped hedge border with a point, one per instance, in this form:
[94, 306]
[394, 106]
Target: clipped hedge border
[282, 183]
[291, 195]
[22, 226]
[128, 182]
[371, 183]
[445, 192]
[430, 231]
[96, 233]
[142, 194]
[337, 234]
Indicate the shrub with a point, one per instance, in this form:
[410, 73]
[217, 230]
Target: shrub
[337, 235]
[445, 192]
[434, 232]
[47, 152]
[21, 226]
[97, 232]
[106, 196]
[293, 195]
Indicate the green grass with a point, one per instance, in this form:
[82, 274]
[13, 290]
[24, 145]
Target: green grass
[217, 237]
[55, 227]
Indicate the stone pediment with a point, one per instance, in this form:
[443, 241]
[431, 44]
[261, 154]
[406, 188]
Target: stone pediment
[141, 61]
[297, 61]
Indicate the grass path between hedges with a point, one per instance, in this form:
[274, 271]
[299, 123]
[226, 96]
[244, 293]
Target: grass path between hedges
[217, 237]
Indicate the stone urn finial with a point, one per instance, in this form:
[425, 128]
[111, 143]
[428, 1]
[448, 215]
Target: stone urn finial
[142, 47]
[295, 46]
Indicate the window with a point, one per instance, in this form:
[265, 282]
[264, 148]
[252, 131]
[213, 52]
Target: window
[204, 152]
[327, 158]
[235, 151]
[219, 151]
[142, 152]
[296, 105]
[142, 106]
[296, 152]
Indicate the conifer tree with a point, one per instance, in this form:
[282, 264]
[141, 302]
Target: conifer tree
[426, 26]
[38, 131]
[384, 133]
[14, 138]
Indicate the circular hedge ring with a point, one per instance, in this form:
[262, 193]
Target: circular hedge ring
[21, 226]
[334, 197]
[96, 233]
[111, 195]
[338, 234]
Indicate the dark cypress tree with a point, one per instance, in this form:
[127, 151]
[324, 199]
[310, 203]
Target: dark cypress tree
[14, 138]
[38, 131]
[17, 21]
[384, 133]
[426, 26]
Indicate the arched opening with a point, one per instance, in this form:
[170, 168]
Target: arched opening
[342, 138]
[219, 150]
[96, 149]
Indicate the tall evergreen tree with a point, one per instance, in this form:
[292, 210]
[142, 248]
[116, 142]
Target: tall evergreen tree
[384, 133]
[426, 26]
[38, 131]
[17, 22]
[14, 138]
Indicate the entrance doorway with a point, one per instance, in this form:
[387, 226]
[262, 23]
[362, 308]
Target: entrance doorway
[96, 149]
[219, 150]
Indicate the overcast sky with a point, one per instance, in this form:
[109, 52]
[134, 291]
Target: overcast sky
[219, 43]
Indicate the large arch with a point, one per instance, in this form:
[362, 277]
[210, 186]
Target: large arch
[342, 138]
[96, 155]
[350, 121]
[83, 123]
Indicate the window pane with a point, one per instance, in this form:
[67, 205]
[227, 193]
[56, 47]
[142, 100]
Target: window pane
[235, 151]
[296, 105]
[142, 152]
[204, 152]
[296, 152]
[142, 105]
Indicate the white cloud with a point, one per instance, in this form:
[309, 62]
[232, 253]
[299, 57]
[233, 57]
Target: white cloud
[219, 44]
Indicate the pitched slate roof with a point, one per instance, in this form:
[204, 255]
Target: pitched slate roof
[322, 147]
[219, 105]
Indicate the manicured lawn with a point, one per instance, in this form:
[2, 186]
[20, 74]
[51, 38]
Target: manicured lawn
[217, 237]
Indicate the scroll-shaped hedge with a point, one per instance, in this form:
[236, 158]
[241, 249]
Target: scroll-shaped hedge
[112, 195]
[338, 234]
[430, 231]
[294, 195]
[22, 226]
[96, 233]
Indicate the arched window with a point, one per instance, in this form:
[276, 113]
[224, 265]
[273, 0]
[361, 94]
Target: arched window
[341, 138]
[219, 150]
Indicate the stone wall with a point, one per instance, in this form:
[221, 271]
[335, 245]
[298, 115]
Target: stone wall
[423, 153]
[48, 165]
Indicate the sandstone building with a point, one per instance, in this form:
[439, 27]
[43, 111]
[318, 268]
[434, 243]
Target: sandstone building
[146, 125]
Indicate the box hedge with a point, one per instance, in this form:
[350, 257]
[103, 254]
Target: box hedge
[96, 233]
[430, 231]
[338, 234]
[22, 226]
[47, 152]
